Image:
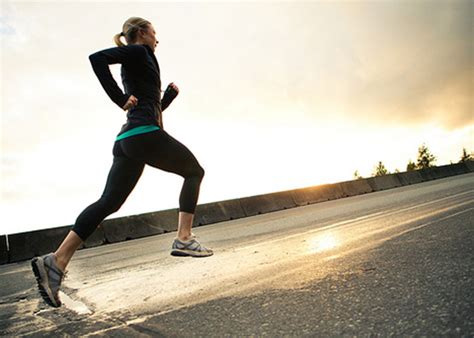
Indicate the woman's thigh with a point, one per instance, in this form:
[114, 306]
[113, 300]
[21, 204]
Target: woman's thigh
[122, 178]
[160, 150]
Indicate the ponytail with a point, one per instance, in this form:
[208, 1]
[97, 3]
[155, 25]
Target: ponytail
[117, 40]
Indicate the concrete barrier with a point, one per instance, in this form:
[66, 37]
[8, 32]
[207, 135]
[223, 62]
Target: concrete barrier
[26, 245]
[384, 182]
[207, 213]
[96, 239]
[441, 172]
[232, 209]
[167, 220]
[262, 204]
[409, 177]
[218, 212]
[469, 165]
[3, 250]
[445, 171]
[138, 226]
[456, 169]
[356, 187]
[433, 173]
[317, 194]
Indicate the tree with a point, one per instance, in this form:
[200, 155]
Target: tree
[380, 170]
[465, 156]
[411, 166]
[425, 158]
[357, 175]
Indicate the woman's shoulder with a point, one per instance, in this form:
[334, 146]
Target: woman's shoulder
[125, 50]
[135, 52]
[135, 47]
[139, 49]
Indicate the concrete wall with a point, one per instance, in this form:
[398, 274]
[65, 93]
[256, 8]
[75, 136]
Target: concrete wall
[3, 250]
[26, 245]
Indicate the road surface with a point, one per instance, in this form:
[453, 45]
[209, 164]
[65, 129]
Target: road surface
[395, 262]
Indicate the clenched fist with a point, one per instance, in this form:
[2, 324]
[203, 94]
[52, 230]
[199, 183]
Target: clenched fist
[131, 102]
[172, 90]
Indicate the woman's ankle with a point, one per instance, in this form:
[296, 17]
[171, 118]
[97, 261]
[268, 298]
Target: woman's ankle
[60, 263]
[184, 236]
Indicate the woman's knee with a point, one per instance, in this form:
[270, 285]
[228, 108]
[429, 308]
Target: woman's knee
[196, 172]
[199, 172]
[111, 204]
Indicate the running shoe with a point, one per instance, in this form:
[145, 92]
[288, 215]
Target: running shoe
[49, 277]
[191, 247]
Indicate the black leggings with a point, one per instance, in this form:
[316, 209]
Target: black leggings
[157, 149]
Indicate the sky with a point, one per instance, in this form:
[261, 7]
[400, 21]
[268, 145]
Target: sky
[273, 96]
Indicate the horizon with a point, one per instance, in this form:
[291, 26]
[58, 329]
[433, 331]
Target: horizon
[296, 95]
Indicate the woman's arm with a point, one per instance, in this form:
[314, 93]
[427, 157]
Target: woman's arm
[170, 94]
[100, 62]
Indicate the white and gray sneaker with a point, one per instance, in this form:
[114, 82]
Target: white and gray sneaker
[49, 277]
[190, 247]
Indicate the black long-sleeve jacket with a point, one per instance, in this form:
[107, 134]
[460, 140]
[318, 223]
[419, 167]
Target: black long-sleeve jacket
[140, 74]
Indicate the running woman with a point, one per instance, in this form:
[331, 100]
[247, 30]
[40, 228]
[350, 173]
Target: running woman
[142, 140]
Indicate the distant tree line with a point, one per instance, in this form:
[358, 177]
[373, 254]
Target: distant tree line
[425, 159]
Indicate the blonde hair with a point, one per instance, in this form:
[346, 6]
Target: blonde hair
[130, 30]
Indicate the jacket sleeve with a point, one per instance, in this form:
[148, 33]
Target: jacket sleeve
[168, 97]
[100, 62]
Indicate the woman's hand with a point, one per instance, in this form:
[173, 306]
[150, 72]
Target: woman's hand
[131, 102]
[173, 88]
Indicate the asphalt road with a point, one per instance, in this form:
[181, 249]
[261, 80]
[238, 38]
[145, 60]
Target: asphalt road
[398, 262]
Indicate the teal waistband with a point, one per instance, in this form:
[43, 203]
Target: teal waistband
[136, 131]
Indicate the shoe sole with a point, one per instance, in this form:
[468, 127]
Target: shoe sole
[183, 253]
[37, 265]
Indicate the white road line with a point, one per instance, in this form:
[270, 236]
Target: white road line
[434, 221]
[354, 221]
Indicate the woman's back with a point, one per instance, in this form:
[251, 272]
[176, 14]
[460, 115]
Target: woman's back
[140, 74]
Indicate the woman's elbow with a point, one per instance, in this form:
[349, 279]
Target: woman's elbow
[93, 57]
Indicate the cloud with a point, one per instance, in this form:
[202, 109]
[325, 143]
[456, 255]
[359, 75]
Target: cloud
[402, 63]
[383, 61]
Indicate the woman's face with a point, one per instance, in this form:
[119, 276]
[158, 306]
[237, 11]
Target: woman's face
[148, 37]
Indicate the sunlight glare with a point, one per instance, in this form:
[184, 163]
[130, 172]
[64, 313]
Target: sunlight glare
[322, 243]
